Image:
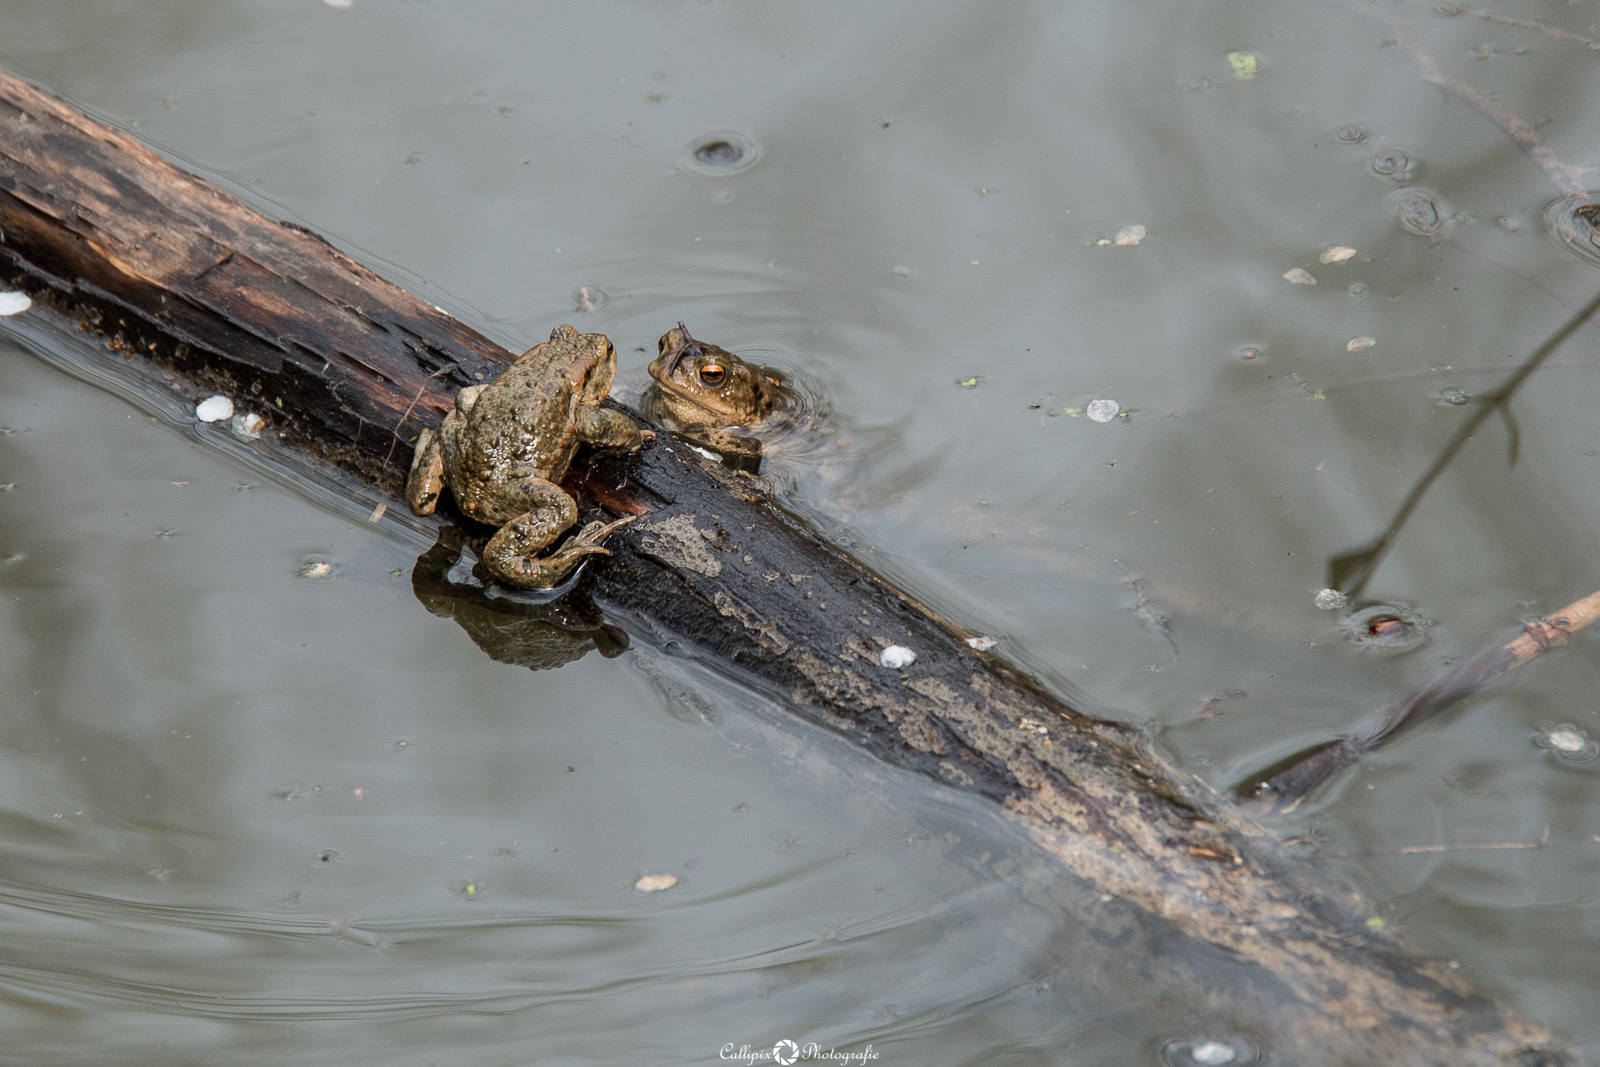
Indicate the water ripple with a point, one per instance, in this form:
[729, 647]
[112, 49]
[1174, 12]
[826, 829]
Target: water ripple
[1572, 223]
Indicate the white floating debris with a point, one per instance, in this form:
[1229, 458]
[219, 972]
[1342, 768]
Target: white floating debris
[1336, 254]
[1566, 739]
[1129, 235]
[1330, 600]
[1212, 1053]
[339, 3]
[214, 409]
[248, 425]
[14, 303]
[655, 883]
[902, 270]
[1360, 344]
[317, 569]
[1569, 743]
[1102, 410]
[982, 644]
[1299, 276]
[896, 656]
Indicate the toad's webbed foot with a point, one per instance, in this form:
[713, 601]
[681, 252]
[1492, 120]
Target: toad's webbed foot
[508, 558]
[426, 480]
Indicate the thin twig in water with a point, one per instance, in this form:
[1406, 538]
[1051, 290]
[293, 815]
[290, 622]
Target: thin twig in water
[1410, 850]
[1526, 24]
[1350, 571]
[1566, 179]
[1492, 846]
[1282, 787]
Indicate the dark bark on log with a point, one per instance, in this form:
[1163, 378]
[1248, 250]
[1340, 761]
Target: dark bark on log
[1205, 904]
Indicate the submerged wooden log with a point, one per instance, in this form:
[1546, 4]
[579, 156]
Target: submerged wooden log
[1205, 905]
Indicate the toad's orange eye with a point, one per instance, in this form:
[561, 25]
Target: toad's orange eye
[712, 374]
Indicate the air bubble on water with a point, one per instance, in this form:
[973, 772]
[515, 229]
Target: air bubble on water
[722, 153]
[1573, 222]
[1330, 600]
[1417, 212]
[1393, 163]
[1350, 133]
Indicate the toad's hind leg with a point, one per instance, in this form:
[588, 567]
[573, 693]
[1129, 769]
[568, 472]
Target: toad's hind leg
[512, 554]
[426, 479]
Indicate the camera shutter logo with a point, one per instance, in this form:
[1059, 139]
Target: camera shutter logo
[785, 1052]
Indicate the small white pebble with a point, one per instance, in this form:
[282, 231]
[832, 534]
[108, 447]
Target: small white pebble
[655, 883]
[896, 656]
[1101, 410]
[1330, 600]
[14, 303]
[248, 425]
[1360, 344]
[214, 409]
[1212, 1052]
[982, 644]
[1336, 254]
[902, 270]
[318, 569]
[1299, 276]
[1129, 235]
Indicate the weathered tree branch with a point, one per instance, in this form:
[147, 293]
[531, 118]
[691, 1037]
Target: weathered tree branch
[171, 270]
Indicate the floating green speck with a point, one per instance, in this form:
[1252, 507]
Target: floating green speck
[1245, 65]
[969, 383]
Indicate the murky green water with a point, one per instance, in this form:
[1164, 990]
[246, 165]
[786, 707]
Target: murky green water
[250, 817]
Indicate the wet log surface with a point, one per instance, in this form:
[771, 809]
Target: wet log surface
[1204, 907]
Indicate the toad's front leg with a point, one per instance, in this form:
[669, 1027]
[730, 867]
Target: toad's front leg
[426, 480]
[512, 554]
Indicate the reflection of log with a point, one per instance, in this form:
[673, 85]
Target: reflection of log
[1213, 914]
